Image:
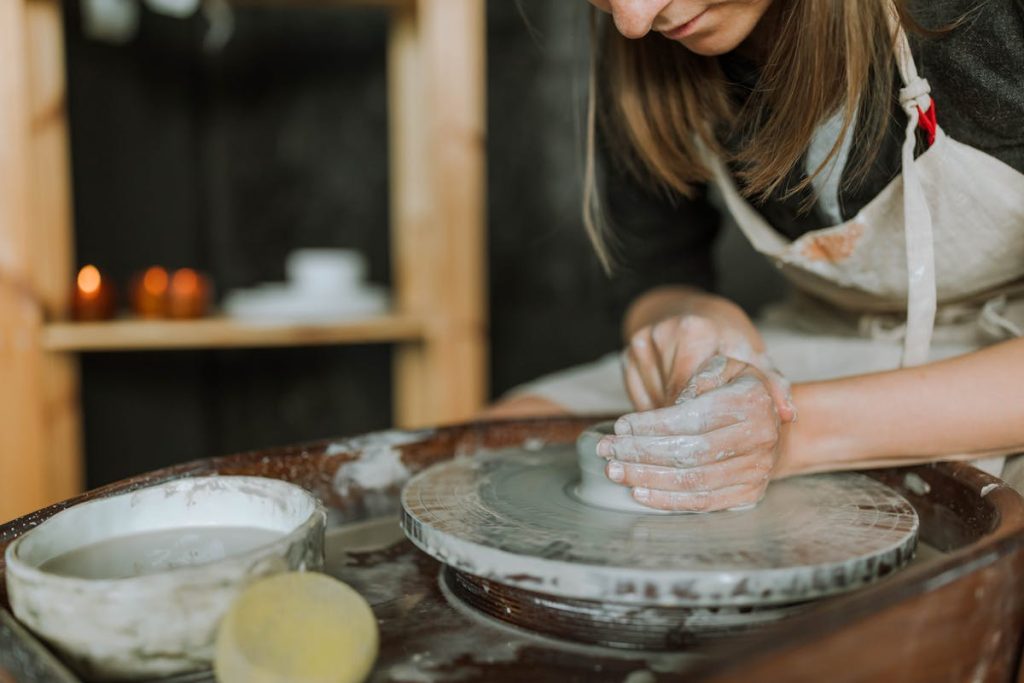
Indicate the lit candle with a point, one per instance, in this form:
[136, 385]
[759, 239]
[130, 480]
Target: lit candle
[189, 294]
[149, 293]
[93, 297]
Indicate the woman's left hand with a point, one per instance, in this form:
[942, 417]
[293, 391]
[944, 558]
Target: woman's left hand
[715, 449]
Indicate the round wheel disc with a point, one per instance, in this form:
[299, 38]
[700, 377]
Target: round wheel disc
[512, 517]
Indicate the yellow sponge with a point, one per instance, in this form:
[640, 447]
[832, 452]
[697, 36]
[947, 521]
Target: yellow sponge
[297, 628]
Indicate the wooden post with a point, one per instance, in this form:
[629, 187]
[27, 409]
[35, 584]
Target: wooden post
[454, 35]
[410, 208]
[51, 243]
[437, 89]
[22, 428]
[40, 444]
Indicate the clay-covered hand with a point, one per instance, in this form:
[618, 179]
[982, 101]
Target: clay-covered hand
[715, 449]
[662, 359]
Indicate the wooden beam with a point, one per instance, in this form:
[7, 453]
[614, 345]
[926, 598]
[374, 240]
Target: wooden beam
[437, 71]
[51, 242]
[23, 466]
[454, 58]
[412, 250]
[437, 90]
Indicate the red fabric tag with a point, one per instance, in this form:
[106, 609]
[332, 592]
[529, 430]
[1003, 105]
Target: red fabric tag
[928, 122]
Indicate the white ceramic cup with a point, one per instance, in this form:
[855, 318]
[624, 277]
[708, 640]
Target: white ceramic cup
[334, 272]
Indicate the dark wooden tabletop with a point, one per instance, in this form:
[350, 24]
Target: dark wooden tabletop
[957, 616]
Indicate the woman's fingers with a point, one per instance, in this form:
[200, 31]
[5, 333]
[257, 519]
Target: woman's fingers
[688, 450]
[635, 385]
[733, 403]
[680, 359]
[782, 395]
[714, 449]
[661, 359]
[749, 469]
[642, 357]
[720, 370]
[723, 499]
[684, 343]
[717, 371]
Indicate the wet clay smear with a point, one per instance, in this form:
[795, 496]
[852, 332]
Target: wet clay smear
[157, 551]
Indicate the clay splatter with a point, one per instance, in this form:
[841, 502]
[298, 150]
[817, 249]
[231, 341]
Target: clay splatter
[834, 246]
[915, 484]
[377, 471]
[380, 463]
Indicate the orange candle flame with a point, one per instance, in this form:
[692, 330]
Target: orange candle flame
[185, 281]
[154, 281]
[93, 295]
[89, 280]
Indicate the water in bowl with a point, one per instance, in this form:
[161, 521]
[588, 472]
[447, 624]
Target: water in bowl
[157, 551]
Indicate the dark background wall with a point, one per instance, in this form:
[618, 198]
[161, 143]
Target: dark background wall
[227, 161]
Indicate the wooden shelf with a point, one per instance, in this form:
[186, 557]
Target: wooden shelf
[291, 4]
[220, 333]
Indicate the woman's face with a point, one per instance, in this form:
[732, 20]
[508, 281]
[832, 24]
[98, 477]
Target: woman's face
[707, 27]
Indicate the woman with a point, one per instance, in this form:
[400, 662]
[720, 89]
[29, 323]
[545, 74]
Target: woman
[891, 198]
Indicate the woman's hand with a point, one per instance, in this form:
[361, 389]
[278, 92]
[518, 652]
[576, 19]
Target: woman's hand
[662, 359]
[715, 449]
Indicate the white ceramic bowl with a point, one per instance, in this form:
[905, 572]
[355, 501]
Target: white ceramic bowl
[160, 623]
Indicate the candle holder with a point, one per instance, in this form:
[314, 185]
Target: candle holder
[150, 293]
[93, 297]
[189, 295]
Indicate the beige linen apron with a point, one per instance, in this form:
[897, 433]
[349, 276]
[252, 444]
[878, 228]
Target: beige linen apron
[944, 241]
[937, 255]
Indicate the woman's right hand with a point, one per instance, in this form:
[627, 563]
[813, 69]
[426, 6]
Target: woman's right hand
[663, 359]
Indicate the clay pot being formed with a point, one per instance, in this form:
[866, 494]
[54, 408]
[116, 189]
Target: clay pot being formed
[595, 488]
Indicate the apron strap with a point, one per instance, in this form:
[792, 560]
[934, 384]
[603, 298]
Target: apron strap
[915, 99]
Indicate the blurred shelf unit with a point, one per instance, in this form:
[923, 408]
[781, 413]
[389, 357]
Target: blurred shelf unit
[436, 94]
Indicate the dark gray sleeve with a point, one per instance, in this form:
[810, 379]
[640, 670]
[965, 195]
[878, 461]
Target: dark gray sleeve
[976, 72]
[658, 239]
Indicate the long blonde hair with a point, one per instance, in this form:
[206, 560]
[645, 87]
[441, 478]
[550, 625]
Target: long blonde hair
[658, 103]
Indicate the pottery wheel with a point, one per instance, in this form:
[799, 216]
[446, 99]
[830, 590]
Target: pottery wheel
[511, 517]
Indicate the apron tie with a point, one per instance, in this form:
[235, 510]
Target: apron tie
[915, 98]
[962, 323]
[917, 93]
[994, 321]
